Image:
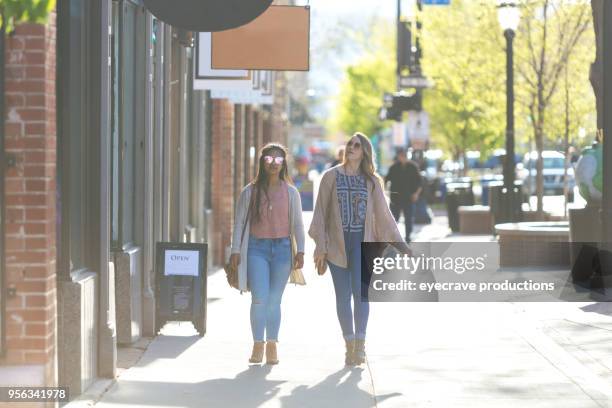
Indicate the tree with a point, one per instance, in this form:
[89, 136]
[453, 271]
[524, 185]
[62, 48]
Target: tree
[549, 34]
[13, 12]
[462, 55]
[361, 95]
[365, 82]
[596, 73]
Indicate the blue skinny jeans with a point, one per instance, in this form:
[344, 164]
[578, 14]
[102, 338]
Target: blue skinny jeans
[268, 269]
[347, 283]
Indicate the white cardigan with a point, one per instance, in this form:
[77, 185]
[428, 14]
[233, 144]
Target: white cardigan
[296, 229]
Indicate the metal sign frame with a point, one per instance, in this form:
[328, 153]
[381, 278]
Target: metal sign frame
[196, 315]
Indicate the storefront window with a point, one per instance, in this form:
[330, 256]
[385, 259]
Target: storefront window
[125, 48]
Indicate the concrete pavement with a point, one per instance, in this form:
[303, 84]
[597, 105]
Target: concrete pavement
[419, 355]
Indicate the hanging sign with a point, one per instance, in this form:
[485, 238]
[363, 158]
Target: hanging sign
[436, 2]
[207, 78]
[206, 15]
[204, 68]
[399, 134]
[418, 129]
[277, 40]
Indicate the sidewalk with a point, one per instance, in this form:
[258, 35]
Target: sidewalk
[419, 355]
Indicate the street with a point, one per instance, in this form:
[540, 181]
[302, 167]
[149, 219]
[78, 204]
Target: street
[419, 355]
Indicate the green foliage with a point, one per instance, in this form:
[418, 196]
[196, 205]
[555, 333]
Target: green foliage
[463, 56]
[364, 84]
[13, 12]
[545, 48]
[361, 95]
[553, 39]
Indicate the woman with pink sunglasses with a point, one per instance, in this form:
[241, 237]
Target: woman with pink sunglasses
[268, 242]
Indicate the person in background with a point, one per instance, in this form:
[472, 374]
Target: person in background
[406, 185]
[339, 157]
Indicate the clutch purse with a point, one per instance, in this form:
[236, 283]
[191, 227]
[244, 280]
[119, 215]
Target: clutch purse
[296, 275]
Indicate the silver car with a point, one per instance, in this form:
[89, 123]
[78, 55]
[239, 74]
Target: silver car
[554, 164]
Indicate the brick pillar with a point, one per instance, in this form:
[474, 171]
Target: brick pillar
[250, 142]
[267, 130]
[238, 150]
[259, 137]
[30, 197]
[222, 176]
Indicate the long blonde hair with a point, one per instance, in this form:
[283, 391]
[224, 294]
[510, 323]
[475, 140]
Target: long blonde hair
[367, 167]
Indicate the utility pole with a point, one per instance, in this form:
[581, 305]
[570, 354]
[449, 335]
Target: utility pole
[400, 42]
[509, 164]
[408, 61]
[418, 52]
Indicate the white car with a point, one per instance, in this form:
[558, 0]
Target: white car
[554, 164]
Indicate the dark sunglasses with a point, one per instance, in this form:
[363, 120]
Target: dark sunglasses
[277, 160]
[354, 145]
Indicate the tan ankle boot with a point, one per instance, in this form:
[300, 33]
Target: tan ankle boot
[349, 355]
[271, 353]
[359, 354]
[257, 354]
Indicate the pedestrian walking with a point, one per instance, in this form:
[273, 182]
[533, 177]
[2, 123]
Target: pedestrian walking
[339, 157]
[269, 239]
[350, 209]
[406, 185]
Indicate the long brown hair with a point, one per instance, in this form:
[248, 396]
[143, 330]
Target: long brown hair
[367, 166]
[261, 181]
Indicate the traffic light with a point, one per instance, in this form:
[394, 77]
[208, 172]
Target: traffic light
[404, 47]
[404, 103]
[396, 104]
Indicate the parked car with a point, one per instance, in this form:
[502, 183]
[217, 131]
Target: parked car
[554, 164]
[496, 160]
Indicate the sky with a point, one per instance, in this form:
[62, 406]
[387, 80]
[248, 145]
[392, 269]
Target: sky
[348, 7]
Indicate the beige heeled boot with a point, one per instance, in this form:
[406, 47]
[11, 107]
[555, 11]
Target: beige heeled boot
[271, 353]
[350, 352]
[359, 353]
[257, 354]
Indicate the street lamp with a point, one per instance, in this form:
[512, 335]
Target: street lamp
[509, 17]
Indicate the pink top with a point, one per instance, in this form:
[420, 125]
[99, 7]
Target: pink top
[274, 221]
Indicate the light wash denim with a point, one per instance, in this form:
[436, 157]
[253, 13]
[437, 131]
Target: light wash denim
[269, 267]
[347, 282]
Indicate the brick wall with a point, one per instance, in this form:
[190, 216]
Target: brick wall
[222, 176]
[30, 196]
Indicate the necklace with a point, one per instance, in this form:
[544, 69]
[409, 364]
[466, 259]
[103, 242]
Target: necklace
[274, 190]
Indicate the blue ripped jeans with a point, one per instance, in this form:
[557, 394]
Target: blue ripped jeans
[347, 282]
[268, 269]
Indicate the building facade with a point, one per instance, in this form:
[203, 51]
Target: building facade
[109, 150]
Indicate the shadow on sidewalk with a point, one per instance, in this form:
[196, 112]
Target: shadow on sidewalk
[249, 389]
[334, 391]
